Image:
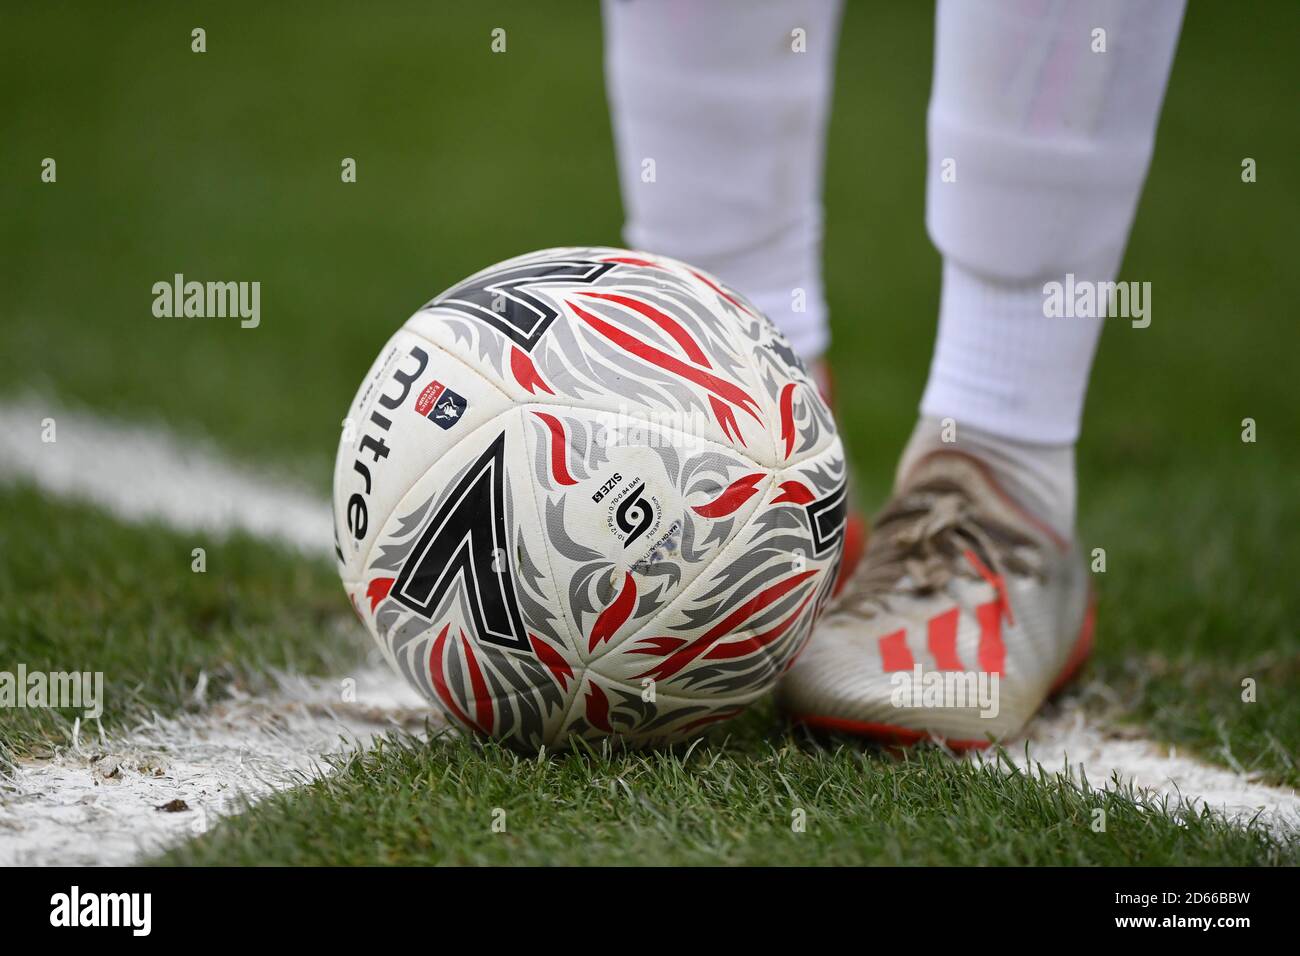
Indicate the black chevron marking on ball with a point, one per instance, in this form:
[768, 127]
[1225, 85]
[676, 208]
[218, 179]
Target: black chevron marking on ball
[827, 516]
[505, 298]
[466, 541]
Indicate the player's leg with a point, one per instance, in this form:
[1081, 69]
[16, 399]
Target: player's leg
[1041, 126]
[1049, 111]
[719, 112]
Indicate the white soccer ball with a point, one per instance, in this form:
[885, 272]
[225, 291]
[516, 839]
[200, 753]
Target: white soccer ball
[589, 492]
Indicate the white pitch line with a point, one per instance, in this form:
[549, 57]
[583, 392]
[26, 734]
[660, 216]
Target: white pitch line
[139, 473]
[95, 803]
[111, 802]
[1064, 739]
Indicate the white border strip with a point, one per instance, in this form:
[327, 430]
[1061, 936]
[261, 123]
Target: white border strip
[141, 473]
[1064, 739]
[111, 802]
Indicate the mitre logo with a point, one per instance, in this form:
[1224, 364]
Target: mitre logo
[440, 404]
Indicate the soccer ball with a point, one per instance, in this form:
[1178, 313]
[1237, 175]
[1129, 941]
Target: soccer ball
[588, 493]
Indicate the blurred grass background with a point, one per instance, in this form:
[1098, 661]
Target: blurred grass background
[225, 165]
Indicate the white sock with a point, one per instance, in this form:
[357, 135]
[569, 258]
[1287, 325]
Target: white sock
[719, 112]
[1000, 366]
[1041, 126]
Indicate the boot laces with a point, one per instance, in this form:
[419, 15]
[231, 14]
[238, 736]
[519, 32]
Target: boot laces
[929, 535]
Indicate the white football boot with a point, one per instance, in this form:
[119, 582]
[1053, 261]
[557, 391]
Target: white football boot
[964, 615]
